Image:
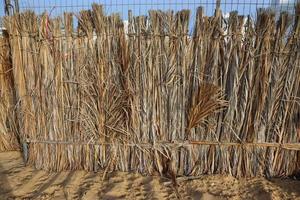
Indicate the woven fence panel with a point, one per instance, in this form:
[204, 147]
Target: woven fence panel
[151, 97]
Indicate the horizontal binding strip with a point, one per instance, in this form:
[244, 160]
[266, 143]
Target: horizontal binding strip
[288, 146]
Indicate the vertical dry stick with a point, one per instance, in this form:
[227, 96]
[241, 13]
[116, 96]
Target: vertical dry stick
[153, 85]
[58, 95]
[232, 55]
[85, 59]
[259, 88]
[290, 90]
[45, 79]
[133, 98]
[15, 29]
[196, 65]
[213, 73]
[100, 26]
[278, 76]
[245, 92]
[196, 78]
[182, 31]
[67, 91]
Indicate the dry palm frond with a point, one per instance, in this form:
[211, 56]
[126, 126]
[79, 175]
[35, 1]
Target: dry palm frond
[209, 100]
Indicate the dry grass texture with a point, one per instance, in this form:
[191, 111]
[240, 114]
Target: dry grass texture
[225, 100]
[8, 139]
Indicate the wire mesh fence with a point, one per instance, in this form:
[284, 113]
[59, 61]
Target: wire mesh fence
[141, 7]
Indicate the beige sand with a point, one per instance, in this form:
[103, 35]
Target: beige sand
[20, 182]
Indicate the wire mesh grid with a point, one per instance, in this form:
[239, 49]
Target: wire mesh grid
[141, 7]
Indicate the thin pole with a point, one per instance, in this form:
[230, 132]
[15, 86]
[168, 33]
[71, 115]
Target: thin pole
[7, 7]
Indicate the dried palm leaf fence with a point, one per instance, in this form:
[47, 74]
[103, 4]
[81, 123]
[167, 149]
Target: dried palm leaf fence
[8, 139]
[224, 100]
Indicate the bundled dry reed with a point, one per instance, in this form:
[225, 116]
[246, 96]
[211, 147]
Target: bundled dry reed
[8, 136]
[224, 100]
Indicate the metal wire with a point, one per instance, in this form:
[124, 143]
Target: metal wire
[141, 7]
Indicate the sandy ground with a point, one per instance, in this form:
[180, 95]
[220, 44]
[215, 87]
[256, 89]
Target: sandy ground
[20, 182]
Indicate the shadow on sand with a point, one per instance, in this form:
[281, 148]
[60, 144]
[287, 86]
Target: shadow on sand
[289, 185]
